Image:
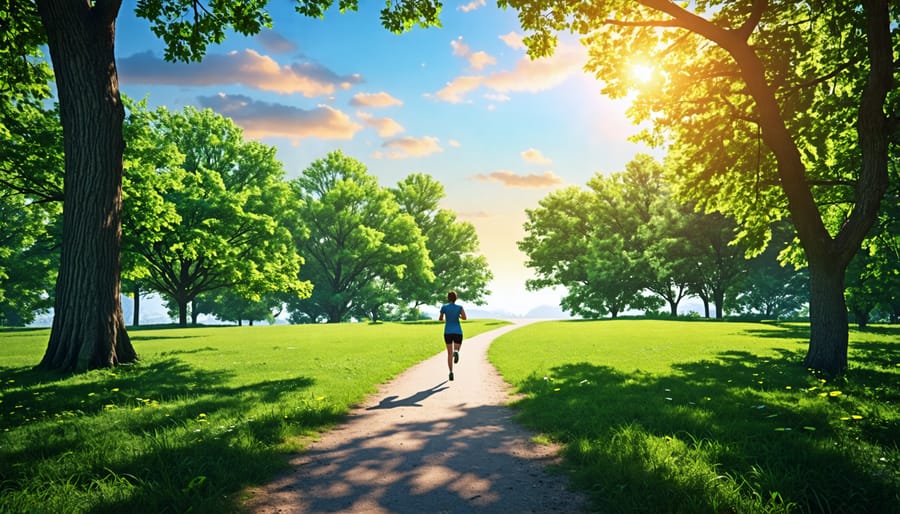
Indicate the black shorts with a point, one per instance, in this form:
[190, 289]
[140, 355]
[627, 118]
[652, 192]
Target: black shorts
[453, 338]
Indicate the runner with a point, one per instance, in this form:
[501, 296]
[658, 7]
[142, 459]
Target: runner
[453, 334]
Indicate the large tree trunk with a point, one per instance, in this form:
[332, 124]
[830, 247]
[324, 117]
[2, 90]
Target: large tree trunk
[88, 326]
[673, 308]
[719, 301]
[182, 313]
[828, 323]
[828, 257]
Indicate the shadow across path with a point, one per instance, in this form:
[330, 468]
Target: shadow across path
[425, 444]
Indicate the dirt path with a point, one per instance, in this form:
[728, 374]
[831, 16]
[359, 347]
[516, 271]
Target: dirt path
[424, 444]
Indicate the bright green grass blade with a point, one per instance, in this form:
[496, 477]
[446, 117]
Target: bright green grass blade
[693, 417]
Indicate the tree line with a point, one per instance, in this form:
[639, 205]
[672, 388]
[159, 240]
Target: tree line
[212, 224]
[770, 111]
[627, 243]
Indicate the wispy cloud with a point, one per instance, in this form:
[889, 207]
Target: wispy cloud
[274, 42]
[513, 40]
[374, 100]
[477, 60]
[263, 119]
[530, 181]
[535, 156]
[471, 6]
[454, 143]
[454, 92]
[247, 68]
[527, 76]
[406, 147]
[386, 127]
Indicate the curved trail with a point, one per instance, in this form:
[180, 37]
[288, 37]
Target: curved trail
[423, 444]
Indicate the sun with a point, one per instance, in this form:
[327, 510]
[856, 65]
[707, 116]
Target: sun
[642, 73]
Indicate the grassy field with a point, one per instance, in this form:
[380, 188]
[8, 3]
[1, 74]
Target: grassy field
[205, 413]
[699, 417]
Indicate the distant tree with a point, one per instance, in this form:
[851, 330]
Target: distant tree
[670, 250]
[357, 235]
[225, 305]
[873, 277]
[228, 200]
[772, 288]
[88, 327]
[589, 243]
[29, 251]
[774, 109]
[720, 260]
[452, 246]
[152, 169]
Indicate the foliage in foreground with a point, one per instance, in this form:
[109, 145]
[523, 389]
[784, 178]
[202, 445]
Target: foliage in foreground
[205, 413]
[661, 416]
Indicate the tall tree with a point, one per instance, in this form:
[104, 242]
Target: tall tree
[795, 101]
[773, 288]
[229, 198]
[88, 327]
[720, 261]
[452, 245]
[357, 234]
[586, 241]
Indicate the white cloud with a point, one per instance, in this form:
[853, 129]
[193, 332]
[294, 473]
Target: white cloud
[512, 180]
[526, 76]
[406, 147]
[386, 127]
[455, 90]
[264, 119]
[471, 6]
[247, 68]
[535, 156]
[374, 100]
[513, 40]
[477, 60]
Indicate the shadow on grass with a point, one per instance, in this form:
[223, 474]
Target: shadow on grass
[650, 443]
[778, 330]
[147, 432]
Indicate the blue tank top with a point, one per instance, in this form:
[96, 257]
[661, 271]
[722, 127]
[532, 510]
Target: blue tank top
[451, 316]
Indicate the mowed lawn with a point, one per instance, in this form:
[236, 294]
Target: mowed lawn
[206, 412]
[706, 417]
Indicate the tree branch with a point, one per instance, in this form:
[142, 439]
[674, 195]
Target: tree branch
[747, 28]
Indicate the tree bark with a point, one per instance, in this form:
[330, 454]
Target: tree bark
[182, 313]
[827, 257]
[719, 301]
[137, 306]
[88, 326]
[828, 323]
[195, 313]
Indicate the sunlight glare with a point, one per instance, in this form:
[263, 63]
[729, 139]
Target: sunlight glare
[642, 73]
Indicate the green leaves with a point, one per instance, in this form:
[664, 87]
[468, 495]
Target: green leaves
[359, 244]
[188, 27]
[204, 210]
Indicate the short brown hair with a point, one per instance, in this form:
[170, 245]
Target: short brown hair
[451, 296]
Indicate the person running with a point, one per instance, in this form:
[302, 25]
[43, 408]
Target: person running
[453, 334]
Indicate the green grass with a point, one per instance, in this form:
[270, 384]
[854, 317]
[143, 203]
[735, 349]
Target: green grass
[694, 417]
[205, 413]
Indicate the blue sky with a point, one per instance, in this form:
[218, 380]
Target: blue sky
[463, 103]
